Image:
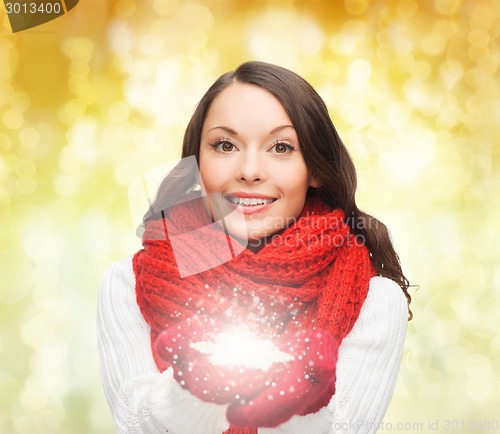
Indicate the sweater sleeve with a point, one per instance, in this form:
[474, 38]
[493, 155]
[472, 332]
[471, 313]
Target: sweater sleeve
[367, 368]
[142, 400]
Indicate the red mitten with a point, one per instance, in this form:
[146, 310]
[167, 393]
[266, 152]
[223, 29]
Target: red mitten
[304, 386]
[180, 347]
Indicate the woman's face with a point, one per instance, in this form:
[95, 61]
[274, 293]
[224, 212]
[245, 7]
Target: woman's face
[251, 163]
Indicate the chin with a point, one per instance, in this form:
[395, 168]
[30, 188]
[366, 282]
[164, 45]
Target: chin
[245, 234]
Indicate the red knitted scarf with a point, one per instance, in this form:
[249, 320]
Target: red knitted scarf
[314, 273]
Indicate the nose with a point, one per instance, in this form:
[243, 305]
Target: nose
[250, 169]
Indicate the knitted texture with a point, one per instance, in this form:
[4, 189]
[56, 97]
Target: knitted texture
[315, 273]
[237, 430]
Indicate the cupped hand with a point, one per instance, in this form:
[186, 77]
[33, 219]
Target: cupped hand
[180, 346]
[304, 386]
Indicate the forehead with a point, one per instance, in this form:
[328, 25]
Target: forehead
[246, 105]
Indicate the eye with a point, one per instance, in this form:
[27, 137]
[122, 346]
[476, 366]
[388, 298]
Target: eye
[224, 146]
[282, 148]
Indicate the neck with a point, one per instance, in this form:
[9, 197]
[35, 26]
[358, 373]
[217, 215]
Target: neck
[258, 244]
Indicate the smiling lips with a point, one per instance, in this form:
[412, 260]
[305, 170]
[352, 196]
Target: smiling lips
[250, 203]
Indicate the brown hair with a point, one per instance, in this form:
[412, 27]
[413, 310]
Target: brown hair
[323, 151]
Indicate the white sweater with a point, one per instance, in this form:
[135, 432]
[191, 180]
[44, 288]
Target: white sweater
[145, 401]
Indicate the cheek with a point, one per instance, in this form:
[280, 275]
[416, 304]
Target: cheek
[293, 179]
[211, 173]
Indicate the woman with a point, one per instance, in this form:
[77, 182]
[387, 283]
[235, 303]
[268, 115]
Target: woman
[265, 240]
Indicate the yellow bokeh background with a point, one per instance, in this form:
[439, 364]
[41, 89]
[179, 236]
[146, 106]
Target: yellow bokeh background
[96, 98]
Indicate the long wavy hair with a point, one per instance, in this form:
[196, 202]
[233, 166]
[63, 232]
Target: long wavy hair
[323, 151]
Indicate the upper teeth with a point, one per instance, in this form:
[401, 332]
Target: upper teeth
[249, 200]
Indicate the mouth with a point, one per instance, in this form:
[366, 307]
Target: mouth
[249, 201]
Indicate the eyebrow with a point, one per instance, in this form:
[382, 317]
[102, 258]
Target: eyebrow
[234, 133]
